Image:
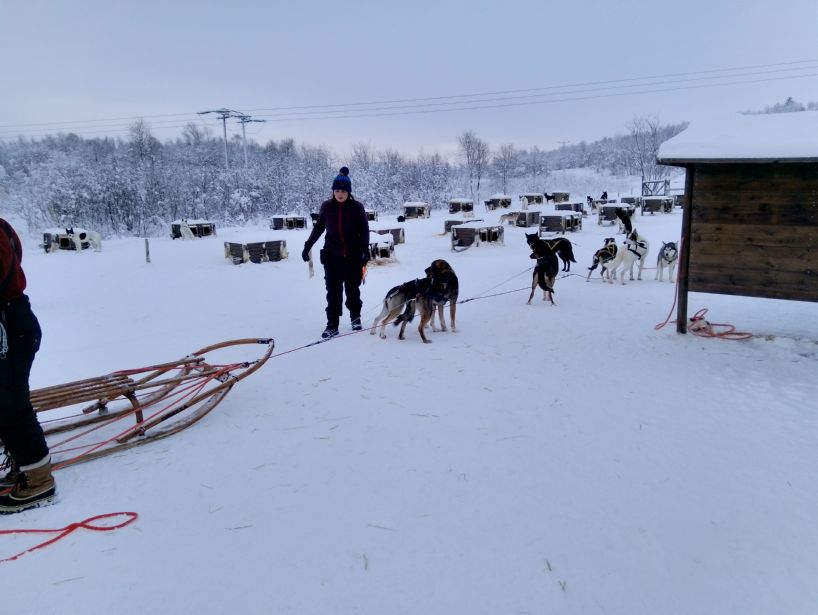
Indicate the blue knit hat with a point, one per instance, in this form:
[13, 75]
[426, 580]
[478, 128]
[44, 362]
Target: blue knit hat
[342, 181]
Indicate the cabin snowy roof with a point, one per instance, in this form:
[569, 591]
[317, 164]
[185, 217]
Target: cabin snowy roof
[415, 204]
[460, 201]
[774, 137]
[500, 197]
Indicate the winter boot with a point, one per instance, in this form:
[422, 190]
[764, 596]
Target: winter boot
[356, 324]
[11, 477]
[34, 488]
[330, 332]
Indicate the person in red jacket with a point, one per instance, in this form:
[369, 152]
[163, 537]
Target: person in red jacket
[29, 482]
[345, 252]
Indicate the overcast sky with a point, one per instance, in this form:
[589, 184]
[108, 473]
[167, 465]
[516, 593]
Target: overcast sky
[92, 67]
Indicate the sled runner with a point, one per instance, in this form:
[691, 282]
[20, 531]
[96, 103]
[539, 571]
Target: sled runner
[87, 419]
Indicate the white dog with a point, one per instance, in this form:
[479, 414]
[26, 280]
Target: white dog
[184, 230]
[634, 250]
[668, 257]
[79, 236]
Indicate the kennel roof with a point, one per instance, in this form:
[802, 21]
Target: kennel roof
[769, 137]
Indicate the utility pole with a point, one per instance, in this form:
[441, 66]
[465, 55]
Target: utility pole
[223, 115]
[245, 119]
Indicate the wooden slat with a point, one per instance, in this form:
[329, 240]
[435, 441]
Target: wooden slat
[757, 235]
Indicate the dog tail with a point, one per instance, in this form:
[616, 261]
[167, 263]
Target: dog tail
[408, 313]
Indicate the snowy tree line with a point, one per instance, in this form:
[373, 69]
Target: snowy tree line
[137, 185]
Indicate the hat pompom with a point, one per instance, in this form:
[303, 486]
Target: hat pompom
[344, 171]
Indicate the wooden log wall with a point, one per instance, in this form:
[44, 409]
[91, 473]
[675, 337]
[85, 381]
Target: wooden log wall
[754, 230]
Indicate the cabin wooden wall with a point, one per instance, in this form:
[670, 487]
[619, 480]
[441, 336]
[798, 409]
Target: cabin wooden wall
[754, 230]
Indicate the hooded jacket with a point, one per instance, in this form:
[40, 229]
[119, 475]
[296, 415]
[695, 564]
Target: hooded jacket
[347, 229]
[12, 278]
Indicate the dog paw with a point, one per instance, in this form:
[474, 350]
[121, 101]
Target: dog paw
[427, 341]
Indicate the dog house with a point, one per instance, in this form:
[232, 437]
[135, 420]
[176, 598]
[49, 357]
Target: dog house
[560, 222]
[496, 201]
[278, 223]
[533, 198]
[198, 228]
[474, 233]
[636, 201]
[524, 218]
[372, 216]
[466, 206]
[575, 207]
[61, 239]
[416, 209]
[560, 197]
[381, 246]
[607, 213]
[448, 224]
[654, 204]
[257, 252]
[398, 236]
[750, 220]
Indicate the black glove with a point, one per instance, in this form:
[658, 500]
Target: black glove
[305, 254]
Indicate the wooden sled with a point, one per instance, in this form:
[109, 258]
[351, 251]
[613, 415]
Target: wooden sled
[84, 420]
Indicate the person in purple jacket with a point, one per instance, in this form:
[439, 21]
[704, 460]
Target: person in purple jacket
[345, 251]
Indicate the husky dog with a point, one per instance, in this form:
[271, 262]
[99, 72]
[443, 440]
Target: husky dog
[545, 272]
[636, 248]
[508, 218]
[668, 257]
[445, 289]
[603, 256]
[550, 197]
[561, 246]
[624, 219]
[184, 230]
[400, 299]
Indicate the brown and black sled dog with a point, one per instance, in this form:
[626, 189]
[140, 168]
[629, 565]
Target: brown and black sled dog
[445, 288]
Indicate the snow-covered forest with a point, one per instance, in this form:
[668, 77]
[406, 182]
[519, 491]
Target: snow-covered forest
[136, 185]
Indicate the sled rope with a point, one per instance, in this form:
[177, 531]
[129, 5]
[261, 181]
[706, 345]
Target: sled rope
[87, 524]
[699, 326]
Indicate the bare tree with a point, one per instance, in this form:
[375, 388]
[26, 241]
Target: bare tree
[505, 160]
[646, 135]
[475, 154]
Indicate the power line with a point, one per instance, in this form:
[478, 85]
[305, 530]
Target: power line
[468, 105]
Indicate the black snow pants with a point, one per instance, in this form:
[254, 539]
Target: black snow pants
[342, 275]
[20, 432]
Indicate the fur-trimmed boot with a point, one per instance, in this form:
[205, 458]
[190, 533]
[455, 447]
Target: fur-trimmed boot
[35, 487]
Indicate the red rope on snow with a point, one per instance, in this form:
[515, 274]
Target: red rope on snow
[88, 524]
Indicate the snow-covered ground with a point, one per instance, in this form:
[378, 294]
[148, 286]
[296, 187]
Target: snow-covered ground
[566, 459]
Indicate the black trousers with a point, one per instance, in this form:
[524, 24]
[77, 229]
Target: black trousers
[20, 432]
[342, 275]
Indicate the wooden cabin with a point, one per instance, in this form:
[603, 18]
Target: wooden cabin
[197, 228]
[496, 201]
[750, 220]
[416, 209]
[65, 239]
